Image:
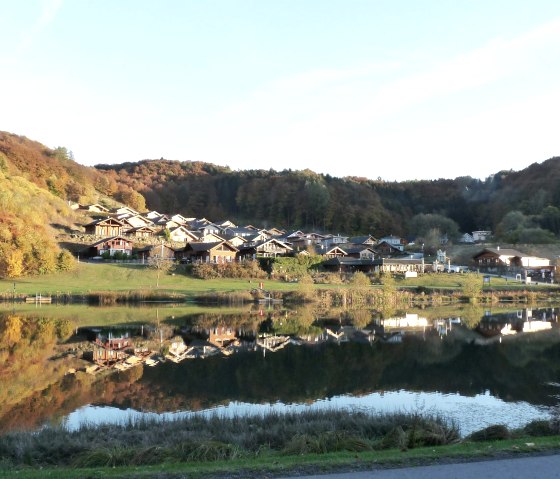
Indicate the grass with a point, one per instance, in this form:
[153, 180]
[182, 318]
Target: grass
[89, 278]
[274, 465]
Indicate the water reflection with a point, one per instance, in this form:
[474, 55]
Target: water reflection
[457, 360]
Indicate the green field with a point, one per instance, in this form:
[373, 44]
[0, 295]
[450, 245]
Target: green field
[90, 278]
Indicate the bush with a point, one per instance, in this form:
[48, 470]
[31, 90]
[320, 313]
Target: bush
[244, 269]
[497, 432]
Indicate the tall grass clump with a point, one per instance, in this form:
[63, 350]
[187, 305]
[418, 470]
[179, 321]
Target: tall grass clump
[216, 438]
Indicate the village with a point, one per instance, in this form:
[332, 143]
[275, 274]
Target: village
[125, 234]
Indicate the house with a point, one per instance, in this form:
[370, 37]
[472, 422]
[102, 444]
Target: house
[266, 248]
[358, 251]
[367, 240]
[180, 219]
[329, 240]
[496, 258]
[205, 229]
[504, 258]
[481, 236]
[94, 208]
[215, 252]
[395, 241]
[160, 251]
[105, 227]
[335, 251]
[345, 264]
[181, 234]
[301, 241]
[116, 244]
[151, 215]
[123, 210]
[399, 265]
[226, 224]
[141, 232]
[235, 240]
[209, 237]
[383, 248]
[466, 239]
[134, 221]
[238, 231]
[275, 232]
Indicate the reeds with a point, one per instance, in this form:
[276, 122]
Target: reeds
[215, 438]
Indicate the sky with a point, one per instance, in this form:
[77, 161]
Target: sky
[397, 90]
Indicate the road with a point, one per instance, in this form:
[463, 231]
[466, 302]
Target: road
[541, 467]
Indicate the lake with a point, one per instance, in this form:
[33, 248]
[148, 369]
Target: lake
[475, 365]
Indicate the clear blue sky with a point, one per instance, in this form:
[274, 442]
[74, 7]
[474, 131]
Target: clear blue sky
[391, 89]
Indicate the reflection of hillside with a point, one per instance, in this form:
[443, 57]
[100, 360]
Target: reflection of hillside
[333, 358]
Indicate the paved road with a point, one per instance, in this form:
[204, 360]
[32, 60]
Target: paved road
[541, 467]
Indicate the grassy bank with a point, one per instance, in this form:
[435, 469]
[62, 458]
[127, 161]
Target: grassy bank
[252, 446]
[109, 283]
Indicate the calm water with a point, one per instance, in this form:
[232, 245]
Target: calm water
[476, 366]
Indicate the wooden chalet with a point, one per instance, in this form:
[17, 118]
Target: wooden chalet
[395, 241]
[105, 227]
[215, 252]
[116, 244]
[181, 234]
[384, 248]
[160, 251]
[495, 259]
[359, 251]
[267, 248]
[142, 232]
[235, 240]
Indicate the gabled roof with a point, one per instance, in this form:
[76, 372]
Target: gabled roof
[199, 247]
[508, 252]
[362, 239]
[351, 248]
[260, 243]
[105, 220]
[154, 246]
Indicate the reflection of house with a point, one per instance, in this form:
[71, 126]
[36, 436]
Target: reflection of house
[117, 244]
[111, 350]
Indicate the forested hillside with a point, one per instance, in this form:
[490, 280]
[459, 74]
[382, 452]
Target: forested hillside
[36, 181]
[303, 199]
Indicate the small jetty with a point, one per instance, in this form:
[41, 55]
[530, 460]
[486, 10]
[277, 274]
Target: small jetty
[38, 299]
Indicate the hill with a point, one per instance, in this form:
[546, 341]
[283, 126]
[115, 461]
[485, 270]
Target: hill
[36, 183]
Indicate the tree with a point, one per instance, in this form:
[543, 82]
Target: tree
[160, 265]
[472, 286]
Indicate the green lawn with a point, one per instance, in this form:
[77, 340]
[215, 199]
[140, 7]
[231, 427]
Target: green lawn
[91, 278]
[88, 278]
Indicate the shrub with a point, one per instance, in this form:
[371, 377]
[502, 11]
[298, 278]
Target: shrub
[497, 432]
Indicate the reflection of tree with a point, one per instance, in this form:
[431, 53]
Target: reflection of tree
[471, 315]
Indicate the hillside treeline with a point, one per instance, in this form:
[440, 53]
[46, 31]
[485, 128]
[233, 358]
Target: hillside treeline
[304, 199]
